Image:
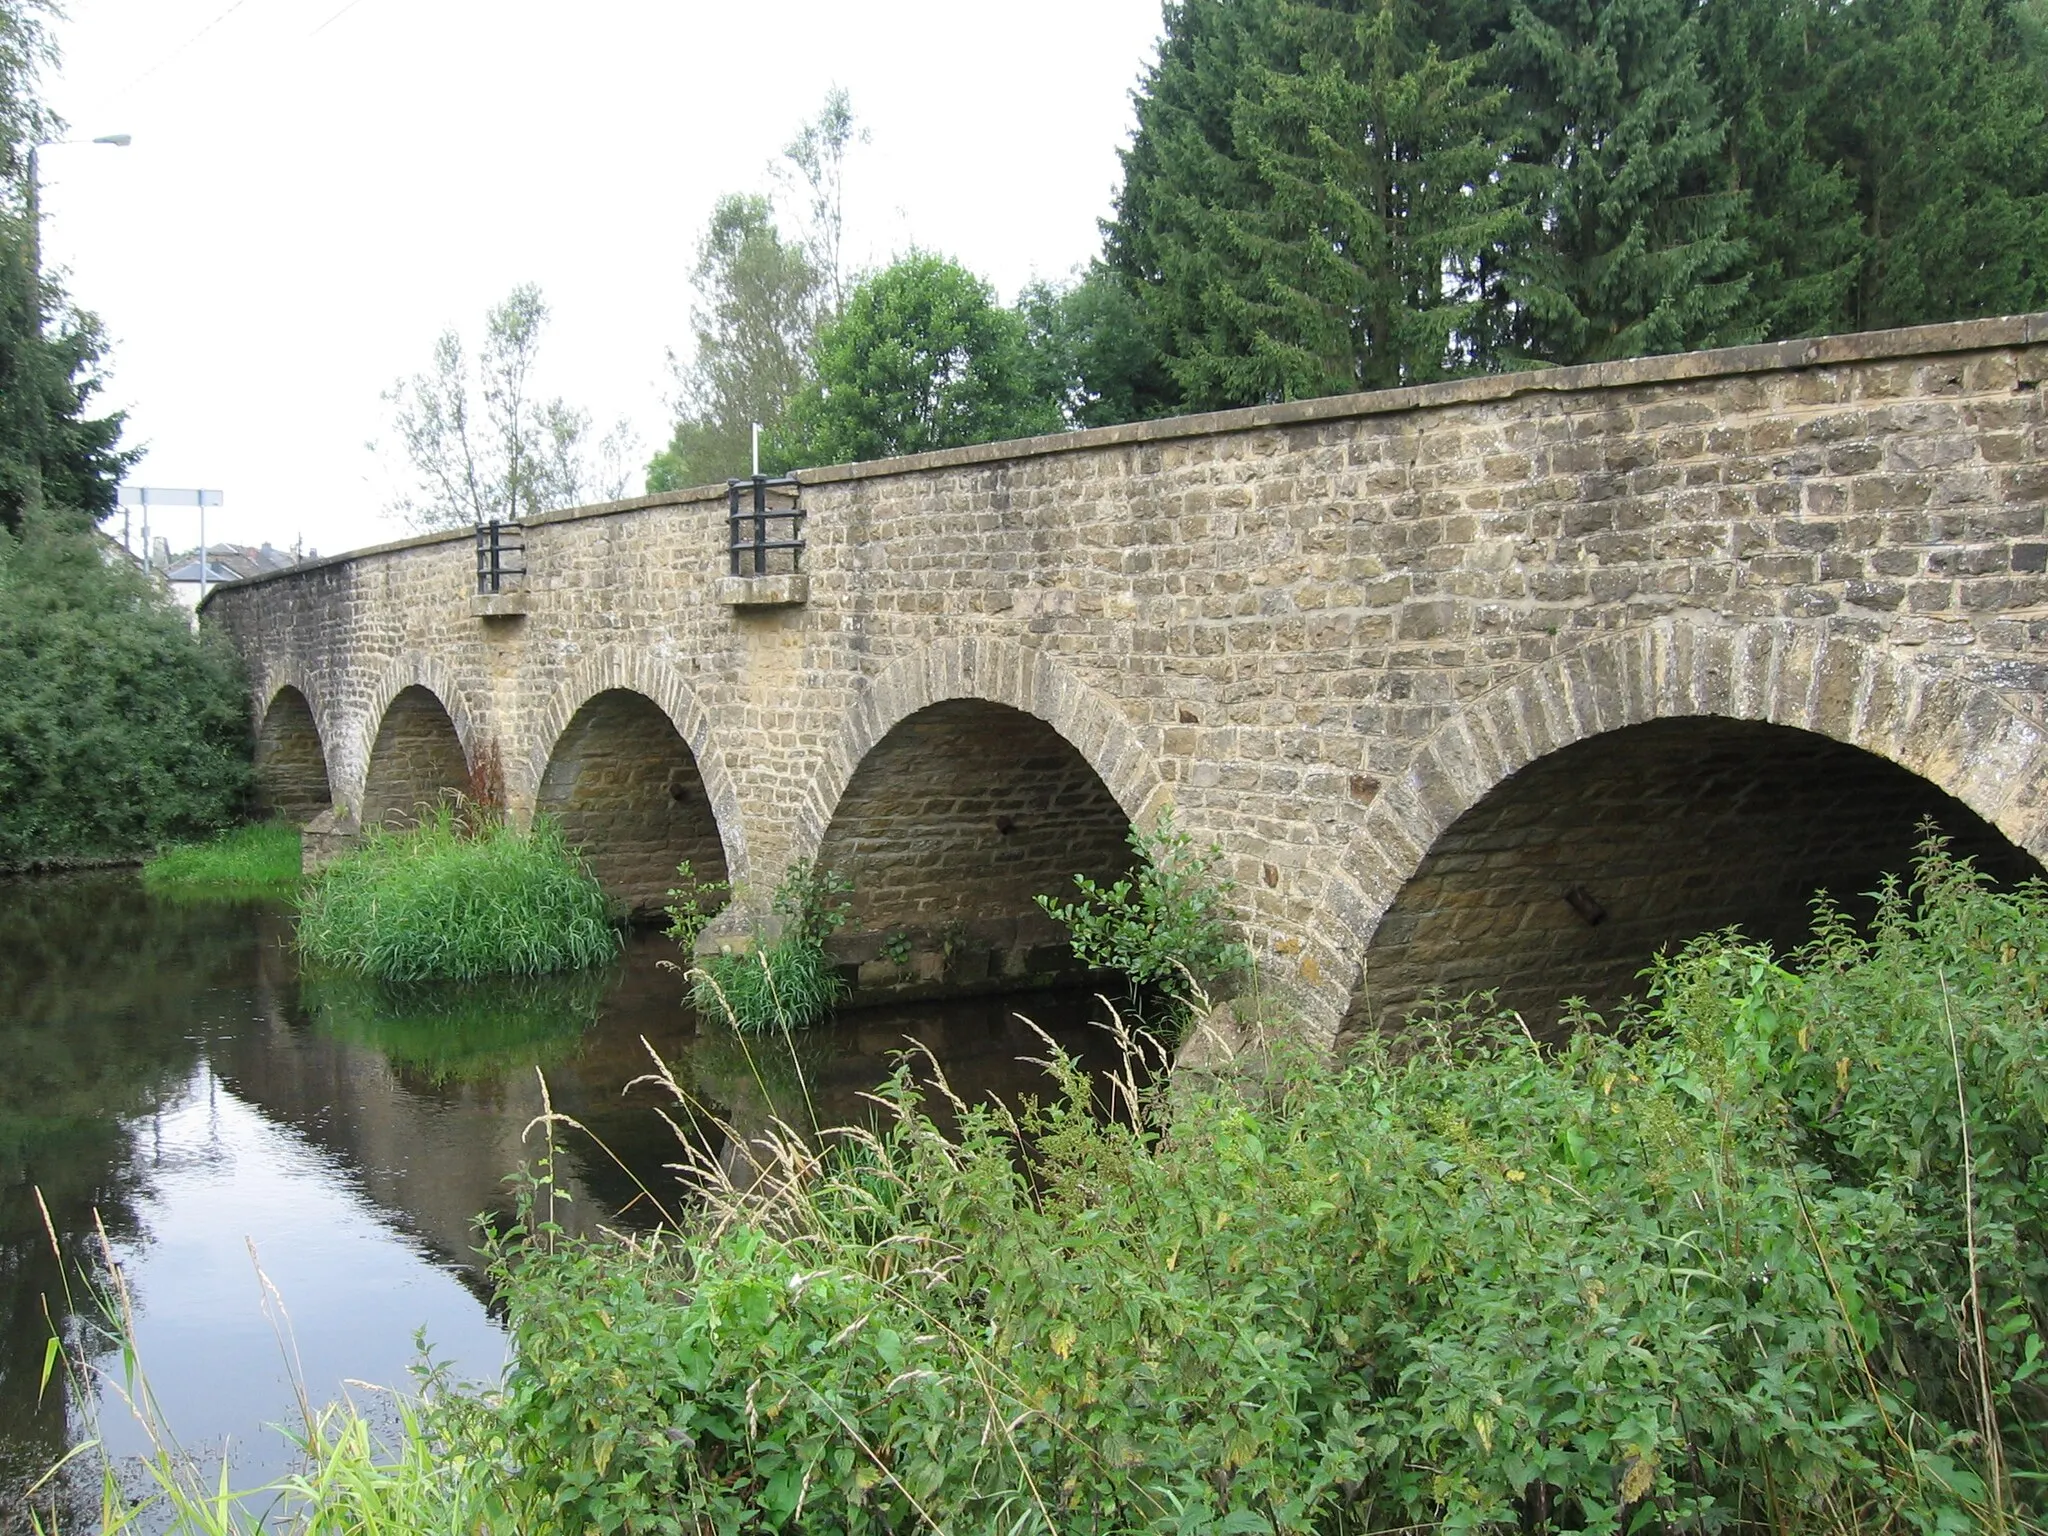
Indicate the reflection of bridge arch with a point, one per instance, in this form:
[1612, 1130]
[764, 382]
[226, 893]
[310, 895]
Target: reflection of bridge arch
[1470, 812]
[615, 671]
[291, 758]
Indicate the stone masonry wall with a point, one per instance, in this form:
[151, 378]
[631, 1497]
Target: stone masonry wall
[626, 790]
[1323, 630]
[951, 827]
[1563, 880]
[291, 772]
[415, 762]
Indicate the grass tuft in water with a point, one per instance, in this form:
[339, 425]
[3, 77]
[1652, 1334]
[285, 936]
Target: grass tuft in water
[258, 860]
[792, 983]
[447, 902]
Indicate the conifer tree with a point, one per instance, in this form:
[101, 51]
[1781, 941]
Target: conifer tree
[1310, 200]
[1621, 160]
[1766, 62]
[1939, 112]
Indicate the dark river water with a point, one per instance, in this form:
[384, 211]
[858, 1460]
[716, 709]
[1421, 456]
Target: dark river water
[287, 1168]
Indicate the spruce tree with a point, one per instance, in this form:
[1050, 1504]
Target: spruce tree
[1765, 60]
[1939, 113]
[1381, 199]
[1621, 160]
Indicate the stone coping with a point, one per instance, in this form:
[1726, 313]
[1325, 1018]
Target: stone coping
[1664, 368]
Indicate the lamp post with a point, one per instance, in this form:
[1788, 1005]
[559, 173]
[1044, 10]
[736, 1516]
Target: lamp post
[35, 204]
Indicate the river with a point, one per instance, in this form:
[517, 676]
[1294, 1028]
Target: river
[287, 1168]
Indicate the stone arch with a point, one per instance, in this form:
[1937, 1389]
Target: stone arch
[627, 793]
[995, 672]
[291, 758]
[614, 670]
[417, 756]
[413, 669]
[970, 778]
[1961, 738]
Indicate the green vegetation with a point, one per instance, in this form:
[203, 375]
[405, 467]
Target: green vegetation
[448, 901]
[1166, 926]
[791, 982]
[52, 454]
[262, 859]
[922, 357]
[120, 729]
[451, 1032]
[1324, 195]
[1771, 1254]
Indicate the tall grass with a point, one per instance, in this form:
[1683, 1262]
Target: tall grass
[1734, 1265]
[252, 861]
[785, 985]
[444, 901]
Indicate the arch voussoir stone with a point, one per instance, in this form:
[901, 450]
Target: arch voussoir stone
[1966, 740]
[635, 671]
[999, 672]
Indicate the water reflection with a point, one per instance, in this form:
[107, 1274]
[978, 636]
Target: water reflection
[168, 1067]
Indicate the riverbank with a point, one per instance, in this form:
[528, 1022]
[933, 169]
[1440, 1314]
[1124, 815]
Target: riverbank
[1770, 1253]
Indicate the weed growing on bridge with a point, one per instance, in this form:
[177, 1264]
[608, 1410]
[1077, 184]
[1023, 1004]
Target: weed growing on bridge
[253, 861]
[445, 901]
[1166, 926]
[792, 982]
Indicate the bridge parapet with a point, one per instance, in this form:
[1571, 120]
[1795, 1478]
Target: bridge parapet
[1326, 631]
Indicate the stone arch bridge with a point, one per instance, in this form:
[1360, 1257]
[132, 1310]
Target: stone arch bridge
[1495, 682]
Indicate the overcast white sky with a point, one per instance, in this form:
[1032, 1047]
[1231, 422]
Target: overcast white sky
[317, 188]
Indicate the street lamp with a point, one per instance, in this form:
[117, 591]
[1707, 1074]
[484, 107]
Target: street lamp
[35, 200]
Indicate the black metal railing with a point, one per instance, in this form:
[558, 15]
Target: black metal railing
[748, 516]
[500, 558]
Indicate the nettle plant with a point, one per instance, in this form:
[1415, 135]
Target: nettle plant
[1166, 926]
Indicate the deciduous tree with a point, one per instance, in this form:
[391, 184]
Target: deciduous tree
[481, 445]
[922, 358]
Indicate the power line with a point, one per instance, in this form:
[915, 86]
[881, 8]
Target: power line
[160, 63]
[330, 21]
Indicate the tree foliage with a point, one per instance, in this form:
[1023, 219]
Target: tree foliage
[52, 453]
[762, 295]
[923, 357]
[120, 729]
[482, 445]
[1325, 195]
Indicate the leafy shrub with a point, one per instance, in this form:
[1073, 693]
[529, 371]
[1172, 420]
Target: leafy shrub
[1734, 1266]
[791, 983]
[259, 860]
[120, 729]
[691, 905]
[1166, 926]
[441, 902]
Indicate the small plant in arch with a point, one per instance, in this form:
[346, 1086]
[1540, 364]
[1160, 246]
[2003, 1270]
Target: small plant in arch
[791, 983]
[692, 903]
[1166, 926]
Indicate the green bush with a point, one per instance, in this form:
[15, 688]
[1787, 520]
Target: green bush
[1166, 926]
[120, 729]
[1733, 1266]
[259, 860]
[444, 901]
[789, 984]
